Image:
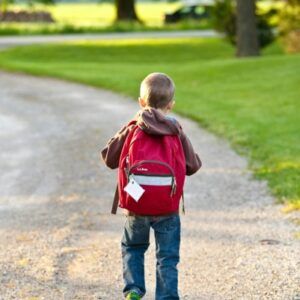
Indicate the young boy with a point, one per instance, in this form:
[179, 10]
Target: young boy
[156, 100]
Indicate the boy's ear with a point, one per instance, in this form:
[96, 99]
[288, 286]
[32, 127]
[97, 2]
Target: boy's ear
[142, 102]
[170, 105]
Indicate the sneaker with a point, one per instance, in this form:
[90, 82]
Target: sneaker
[133, 296]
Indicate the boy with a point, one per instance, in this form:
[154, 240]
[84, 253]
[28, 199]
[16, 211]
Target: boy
[156, 100]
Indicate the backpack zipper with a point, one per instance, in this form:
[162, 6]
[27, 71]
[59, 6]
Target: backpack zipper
[128, 170]
[151, 162]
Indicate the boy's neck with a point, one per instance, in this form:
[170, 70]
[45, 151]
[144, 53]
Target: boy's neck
[162, 111]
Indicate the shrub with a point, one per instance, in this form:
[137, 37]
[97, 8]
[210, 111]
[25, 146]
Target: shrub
[289, 26]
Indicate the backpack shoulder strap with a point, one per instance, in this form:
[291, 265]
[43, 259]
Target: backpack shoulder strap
[115, 203]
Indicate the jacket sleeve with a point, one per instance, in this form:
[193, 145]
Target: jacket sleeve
[111, 152]
[193, 162]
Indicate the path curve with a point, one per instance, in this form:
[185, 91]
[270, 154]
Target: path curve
[57, 238]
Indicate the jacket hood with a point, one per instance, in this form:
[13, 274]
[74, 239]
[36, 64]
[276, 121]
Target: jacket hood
[152, 121]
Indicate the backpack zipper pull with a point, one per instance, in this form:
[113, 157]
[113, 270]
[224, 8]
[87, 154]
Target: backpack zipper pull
[173, 190]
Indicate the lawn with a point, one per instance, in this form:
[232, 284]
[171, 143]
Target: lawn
[254, 103]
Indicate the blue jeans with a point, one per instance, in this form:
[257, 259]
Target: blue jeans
[135, 242]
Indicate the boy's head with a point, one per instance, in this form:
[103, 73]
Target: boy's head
[157, 91]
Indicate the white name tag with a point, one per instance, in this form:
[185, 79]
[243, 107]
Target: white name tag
[134, 189]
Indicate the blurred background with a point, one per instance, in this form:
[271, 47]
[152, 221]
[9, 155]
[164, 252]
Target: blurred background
[66, 16]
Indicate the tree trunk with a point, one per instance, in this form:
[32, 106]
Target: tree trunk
[126, 10]
[247, 41]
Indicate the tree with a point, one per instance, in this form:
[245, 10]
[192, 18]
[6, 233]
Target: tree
[247, 41]
[224, 19]
[126, 10]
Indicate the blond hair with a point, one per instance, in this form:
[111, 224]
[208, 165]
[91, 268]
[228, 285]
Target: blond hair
[157, 90]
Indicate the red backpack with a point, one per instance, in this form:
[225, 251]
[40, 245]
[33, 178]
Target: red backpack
[157, 164]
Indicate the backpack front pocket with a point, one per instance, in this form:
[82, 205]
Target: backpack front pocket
[158, 180]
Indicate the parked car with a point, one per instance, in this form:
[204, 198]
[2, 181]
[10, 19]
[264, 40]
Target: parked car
[189, 12]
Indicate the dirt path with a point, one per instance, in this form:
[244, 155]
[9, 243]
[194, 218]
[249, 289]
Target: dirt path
[57, 238]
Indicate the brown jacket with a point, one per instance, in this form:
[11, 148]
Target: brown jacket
[152, 122]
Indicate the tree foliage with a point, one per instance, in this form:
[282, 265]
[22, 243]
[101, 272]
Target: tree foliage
[5, 4]
[289, 26]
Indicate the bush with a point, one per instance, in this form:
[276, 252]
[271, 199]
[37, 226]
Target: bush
[289, 26]
[24, 16]
[224, 20]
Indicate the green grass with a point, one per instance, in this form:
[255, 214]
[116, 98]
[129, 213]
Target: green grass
[42, 29]
[254, 102]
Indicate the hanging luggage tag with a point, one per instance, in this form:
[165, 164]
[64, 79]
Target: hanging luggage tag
[134, 189]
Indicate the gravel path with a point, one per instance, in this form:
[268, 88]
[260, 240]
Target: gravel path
[57, 238]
